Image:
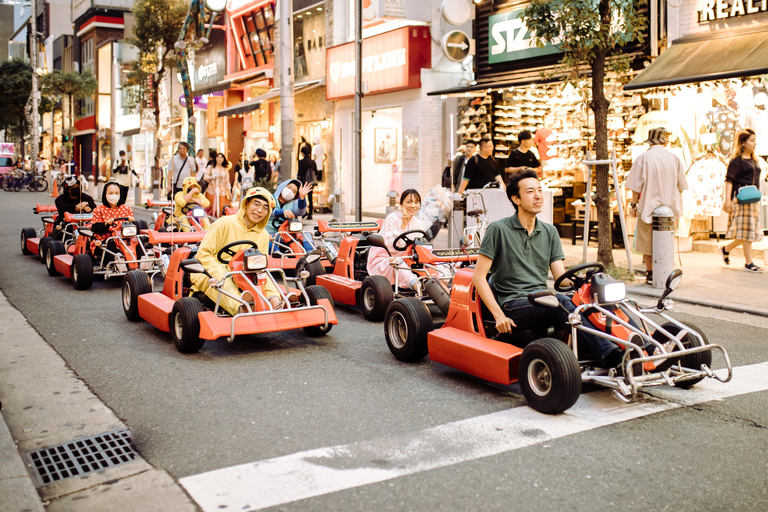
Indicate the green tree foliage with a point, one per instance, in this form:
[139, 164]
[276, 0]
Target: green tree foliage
[70, 84]
[587, 32]
[16, 87]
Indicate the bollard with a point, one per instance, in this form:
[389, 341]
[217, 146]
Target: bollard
[337, 208]
[137, 194]
[663, 245]
[392, 195]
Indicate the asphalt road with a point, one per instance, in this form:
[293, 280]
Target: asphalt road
[274, 395]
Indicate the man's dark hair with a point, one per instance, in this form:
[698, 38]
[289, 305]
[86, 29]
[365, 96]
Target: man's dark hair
[470, 142]
[212, 154]
[524, 135]
[483, 142]
[184, 144]
[306, 150]
[513, 184]
[122, 153]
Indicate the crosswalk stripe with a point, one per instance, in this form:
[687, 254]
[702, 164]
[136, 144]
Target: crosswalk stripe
[306, 474]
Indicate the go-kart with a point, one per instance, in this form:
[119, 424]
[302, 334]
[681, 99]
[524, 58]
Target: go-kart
[194, 318]
[81, 264]
[435, 269]
[164, 220]
[289, 253]
[34, 241]
[550, 371]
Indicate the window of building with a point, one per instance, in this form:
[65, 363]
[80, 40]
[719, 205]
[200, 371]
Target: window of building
[87, 61]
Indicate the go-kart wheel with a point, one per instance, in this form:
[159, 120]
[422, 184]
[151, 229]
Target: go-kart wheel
[406, 326]
[185, 325]
[375, 296]
[141, 224]
[26, 234]
[315, 293]
[135, 283]
[315, 269]
[43, 247]
[55, 248]
[693, 361]
[82, 272]
[577, 280]
[549, 376]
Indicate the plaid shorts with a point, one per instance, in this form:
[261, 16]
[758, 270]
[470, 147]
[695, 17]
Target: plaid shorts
[744, 222]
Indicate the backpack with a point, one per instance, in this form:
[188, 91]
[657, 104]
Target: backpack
[446, 180]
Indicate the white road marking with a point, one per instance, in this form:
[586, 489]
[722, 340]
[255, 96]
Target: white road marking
[302, 475]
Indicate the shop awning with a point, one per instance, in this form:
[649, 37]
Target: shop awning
[706, 57]
[271, 95]
[515, 79]
[221, 86]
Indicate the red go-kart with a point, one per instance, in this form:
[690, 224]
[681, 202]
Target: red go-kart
[34, 242]
[550, 371]
[194, 318]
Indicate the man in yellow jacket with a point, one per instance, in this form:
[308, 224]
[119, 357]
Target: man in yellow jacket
[247, 224]
[186, 200]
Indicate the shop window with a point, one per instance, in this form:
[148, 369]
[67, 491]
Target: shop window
[255, 32]
[309, 44]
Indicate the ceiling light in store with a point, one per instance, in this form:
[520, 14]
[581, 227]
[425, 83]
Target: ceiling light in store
[272, 128]
[319, 8]
[325, 123]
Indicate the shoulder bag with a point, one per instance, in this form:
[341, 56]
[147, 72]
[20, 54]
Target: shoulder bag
[750, 193]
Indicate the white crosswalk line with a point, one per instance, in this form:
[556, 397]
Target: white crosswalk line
[321, 471]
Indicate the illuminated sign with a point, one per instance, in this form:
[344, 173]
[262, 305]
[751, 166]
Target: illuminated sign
[391, 62]
[712, 10]
[453, 253]
[509, 39]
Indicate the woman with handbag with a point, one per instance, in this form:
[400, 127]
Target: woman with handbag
[742, 199]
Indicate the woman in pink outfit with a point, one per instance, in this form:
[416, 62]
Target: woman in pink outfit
[396, 222]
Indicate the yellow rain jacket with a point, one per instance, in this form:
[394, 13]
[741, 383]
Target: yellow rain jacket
[182, 207]
[228, 229]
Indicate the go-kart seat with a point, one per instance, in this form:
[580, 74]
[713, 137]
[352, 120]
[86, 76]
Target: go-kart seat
[518, 337]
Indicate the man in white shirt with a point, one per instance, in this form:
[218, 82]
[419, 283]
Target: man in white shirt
[318, 155]
[201, 163]
[657, 178]
[181, 166]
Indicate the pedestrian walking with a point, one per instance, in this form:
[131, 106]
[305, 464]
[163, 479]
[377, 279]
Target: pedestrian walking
[122, 176]
[180, 166]
[657, 178]
[481, 169]
[307, 175]
[744, 219]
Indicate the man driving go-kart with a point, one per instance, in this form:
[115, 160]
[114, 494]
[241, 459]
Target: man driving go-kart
[247, 225]
[518, 251]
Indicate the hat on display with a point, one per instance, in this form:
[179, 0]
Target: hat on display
[761, 99]
[261, 153]
[657, 135]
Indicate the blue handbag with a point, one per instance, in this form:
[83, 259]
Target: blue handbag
[749, 194]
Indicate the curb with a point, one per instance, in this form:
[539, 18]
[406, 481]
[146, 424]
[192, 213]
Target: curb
[16, 486]
[725, 307]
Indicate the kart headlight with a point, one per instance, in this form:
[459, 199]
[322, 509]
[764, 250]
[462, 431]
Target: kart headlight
[295, 226]
[129, 230]
[607, 289]
[198, 212]
[254, 260]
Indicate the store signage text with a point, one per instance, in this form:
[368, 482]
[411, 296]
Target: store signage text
[712, 10]
[511, 40]
[391, 61]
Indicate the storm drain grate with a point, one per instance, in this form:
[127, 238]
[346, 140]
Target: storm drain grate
[82, 456]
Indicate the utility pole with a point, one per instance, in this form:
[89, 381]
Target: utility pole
[35, 94]
[287, 123]
[358, 156]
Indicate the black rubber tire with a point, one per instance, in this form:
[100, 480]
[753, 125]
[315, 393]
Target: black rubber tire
[141, 224]
[549, 376]
[43, 247]
[185, 325]
[315, 269]
[135, 283]
[406, 326]
[691, 360]
[27, 233]
[41, 185]
[375, 296]
[315, 293]
[55, 248]
[16, 186]
[82, 272]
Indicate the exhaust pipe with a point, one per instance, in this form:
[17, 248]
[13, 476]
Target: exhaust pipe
[437, 292]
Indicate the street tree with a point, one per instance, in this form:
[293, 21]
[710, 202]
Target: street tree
[588, 33]
[156, 26]
[70, 85]
[16, 84]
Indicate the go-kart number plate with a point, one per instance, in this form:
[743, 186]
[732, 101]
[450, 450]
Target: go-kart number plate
[453, 253]
[352, 225]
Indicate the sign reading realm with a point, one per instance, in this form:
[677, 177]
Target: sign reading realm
[391, 62]
[712, 10]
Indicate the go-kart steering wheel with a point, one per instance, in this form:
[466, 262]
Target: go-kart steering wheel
[576, 280]
[227, 249]
[406, 239]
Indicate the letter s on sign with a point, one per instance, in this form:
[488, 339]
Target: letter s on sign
[497, 33]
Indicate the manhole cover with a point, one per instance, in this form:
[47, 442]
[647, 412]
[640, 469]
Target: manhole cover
[81, 456]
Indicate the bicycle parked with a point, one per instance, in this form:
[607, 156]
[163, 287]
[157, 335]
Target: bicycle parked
[473, 235]
[16, 181]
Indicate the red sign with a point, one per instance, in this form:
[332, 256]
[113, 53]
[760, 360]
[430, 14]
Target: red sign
[391, 62]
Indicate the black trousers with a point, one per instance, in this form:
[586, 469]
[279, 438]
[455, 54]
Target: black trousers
[310, 208]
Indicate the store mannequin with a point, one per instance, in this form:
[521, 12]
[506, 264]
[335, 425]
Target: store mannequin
[318, 155]
[397, 181]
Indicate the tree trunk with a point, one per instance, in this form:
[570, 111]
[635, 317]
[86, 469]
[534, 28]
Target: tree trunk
[599, 106]
[156, 178]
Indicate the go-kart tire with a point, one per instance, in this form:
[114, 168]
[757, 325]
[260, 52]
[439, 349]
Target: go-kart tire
[691, 360]
[135, 283]
[26, 234]
[43, 247]
[141, 224]
[55, 248]
[315, 293]
[315, 269]
[406, 326]
[375, 296]
[549, 376]
[82, 272]
[185, 325]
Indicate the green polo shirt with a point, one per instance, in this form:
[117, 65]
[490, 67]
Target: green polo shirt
[520, 261]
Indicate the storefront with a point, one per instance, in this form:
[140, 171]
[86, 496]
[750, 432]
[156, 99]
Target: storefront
[396, 116]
